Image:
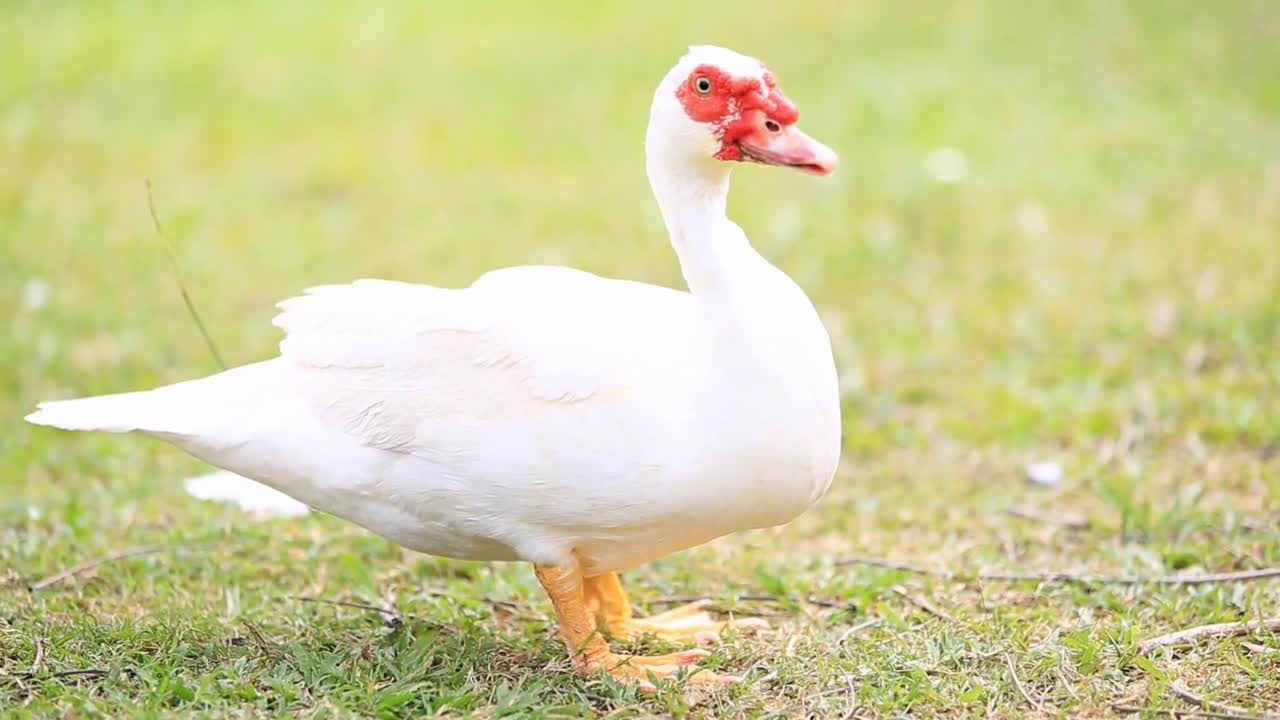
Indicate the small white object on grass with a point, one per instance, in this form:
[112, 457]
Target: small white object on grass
[947, 165]
[252, 497]
[1045, 474]
[35, 294]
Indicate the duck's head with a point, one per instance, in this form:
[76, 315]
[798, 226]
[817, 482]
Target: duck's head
[717, 106]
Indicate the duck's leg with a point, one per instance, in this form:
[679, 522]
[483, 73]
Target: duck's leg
[590, 652]
[605, 596]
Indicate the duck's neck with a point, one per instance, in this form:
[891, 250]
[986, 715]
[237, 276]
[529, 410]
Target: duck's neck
[692, 198]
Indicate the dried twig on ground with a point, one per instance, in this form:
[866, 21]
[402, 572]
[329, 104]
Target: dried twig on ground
[85, 672]
[1216, 630]
[389, 615]
[266, 648]
[1022, 690]
[853, 630]
[39, 656]
[121, 555]
[1075, 521]
[1182, 693]
[812, 600]
[923, 603]
[1178, 713]
[90, 672]
[1260, 649]
[1067, 577]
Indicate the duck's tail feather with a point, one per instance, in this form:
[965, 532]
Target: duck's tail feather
[123, 412]
[208, 411]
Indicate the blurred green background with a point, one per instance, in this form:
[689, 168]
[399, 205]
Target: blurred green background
[1055, 236]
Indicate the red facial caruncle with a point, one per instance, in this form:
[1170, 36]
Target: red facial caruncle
[728, 103]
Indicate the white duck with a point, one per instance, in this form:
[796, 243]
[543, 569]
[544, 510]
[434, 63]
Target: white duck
[545, 414]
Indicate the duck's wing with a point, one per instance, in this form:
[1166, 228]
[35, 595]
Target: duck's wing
[389, 362]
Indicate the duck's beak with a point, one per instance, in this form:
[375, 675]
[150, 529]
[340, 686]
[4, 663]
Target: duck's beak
[786, 145]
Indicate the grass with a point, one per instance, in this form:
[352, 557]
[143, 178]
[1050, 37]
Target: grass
[1056, 238]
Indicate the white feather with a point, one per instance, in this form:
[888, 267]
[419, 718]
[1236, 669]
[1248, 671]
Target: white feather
[252, 497]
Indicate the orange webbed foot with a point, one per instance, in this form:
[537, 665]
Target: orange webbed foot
[690, 621]
[578, 604]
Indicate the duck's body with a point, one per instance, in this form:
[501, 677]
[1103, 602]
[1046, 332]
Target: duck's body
[608, 419]
[542, 414]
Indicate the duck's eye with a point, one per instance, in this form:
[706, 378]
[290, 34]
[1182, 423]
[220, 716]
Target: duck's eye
[702, 84]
